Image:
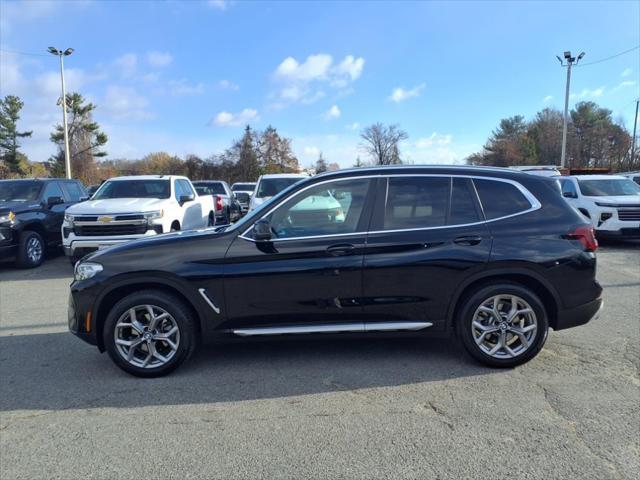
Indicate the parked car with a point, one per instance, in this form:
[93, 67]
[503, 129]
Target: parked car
[31, 213]
[272, 184]
[635, 176]
[494, 256]
[227, 208]
[542, 170]
[127, 208]
[610, 202]
[243, 192]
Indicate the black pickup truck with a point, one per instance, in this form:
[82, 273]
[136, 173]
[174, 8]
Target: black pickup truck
[31, 214]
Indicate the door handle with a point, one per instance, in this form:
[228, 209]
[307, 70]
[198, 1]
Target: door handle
[468, 240]
[341, 250]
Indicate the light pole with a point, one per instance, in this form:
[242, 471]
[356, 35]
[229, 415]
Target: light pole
[569, 62]
[62, 54]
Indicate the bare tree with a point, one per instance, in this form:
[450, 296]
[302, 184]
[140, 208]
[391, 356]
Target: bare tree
[381, 143]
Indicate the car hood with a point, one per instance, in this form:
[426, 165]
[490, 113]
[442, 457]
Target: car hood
[116, 205]
[17, 207]
[617, 199]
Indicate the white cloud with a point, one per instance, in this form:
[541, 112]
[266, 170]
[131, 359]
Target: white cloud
[226, 119]
[587, 93]
[228, 85]
[125, 103]
[626, 72]
[623, 84]
[548, 98]
[433, 139]
[400, 94]
[301, 81]
[159, 59]
[182, 88]
[127, 64]
[333, 112]
[218, 4]
[312, 151]
[353, 126]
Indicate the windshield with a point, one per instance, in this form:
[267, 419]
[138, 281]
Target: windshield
[133, 189]
[246, 187]
[608, 187]
[214, 188]
[268, 187]
[19, 191]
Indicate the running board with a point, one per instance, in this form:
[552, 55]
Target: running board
[332, 328]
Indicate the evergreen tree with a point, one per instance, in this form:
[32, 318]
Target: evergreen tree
[10, 108]
[321, 164]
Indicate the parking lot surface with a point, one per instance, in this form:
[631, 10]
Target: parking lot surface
[365, 408]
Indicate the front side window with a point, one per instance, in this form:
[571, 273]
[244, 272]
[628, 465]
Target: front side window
[500, 199]
[73, 191]
[52, 190]
[416, 202]
[133, 189]
[326, 209]
[608, 187]
[186, 188]
[568, 188]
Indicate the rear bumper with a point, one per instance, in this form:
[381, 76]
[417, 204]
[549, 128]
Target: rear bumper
[574, 317]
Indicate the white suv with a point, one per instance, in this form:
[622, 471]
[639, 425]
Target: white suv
[270, 185]
[611, 202]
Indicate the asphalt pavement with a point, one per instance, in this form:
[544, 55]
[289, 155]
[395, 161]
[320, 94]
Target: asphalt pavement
[352, 409]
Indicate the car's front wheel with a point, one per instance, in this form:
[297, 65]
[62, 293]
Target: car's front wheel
[503, 325]
[150, 333]
[30, 250]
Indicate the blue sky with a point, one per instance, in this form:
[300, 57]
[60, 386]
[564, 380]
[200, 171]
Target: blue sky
[185, 77]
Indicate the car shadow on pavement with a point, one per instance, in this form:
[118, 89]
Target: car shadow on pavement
[55, 265]
[55, 371]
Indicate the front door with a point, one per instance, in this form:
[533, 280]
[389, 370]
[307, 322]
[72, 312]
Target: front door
[310, 272]
[427, 235]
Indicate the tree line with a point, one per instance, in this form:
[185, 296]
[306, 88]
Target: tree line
[594, 140]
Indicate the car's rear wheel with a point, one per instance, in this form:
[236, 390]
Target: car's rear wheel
[503, 325]
[150, 333]
[30, 250]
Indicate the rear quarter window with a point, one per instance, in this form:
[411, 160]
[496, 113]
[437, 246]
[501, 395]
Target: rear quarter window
[500, 199]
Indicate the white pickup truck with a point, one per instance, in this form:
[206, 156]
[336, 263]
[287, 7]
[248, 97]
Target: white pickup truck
[127, 208]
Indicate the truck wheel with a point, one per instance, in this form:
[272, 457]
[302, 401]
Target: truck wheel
[150, 333]
[30, 250]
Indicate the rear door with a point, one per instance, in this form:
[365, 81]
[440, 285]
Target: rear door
[427, 235]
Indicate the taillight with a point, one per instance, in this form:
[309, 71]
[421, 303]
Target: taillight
[586, 236]
[218, 202]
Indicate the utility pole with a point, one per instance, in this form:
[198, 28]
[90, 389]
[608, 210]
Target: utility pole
[569, 62]
[67, 157]
[633, 143]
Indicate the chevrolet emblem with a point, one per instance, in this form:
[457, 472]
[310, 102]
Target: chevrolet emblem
[105, 219]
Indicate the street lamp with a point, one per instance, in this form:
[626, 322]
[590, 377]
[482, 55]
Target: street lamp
[568, 62]
[62, 54]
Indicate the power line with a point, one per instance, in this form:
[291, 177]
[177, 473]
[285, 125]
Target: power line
[15, 52]
[609, 58]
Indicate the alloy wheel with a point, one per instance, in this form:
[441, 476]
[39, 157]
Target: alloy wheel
[504, 326]
[147, 336]
[34, 249]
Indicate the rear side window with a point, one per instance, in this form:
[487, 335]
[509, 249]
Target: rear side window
[418, 202]
[500, 199]
[464, 208]
[73, 191]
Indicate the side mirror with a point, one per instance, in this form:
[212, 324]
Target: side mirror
[569, 195]
[51, 201]
[85, 198]
[262, 231]
[186, 198]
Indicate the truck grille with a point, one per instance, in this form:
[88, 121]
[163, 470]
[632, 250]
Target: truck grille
[629, 214]
[108, 230]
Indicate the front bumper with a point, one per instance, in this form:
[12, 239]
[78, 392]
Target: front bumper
[574, 317]
[80, 319]
[74, 245]
[8, 244]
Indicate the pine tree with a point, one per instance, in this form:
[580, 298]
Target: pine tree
[9, 115]
[321, 164]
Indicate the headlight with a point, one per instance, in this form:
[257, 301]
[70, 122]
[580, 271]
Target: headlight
[68, 218]
[7, 217]
[85, 270]
[154, 215]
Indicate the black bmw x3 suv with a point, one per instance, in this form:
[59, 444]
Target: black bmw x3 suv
[492, 256]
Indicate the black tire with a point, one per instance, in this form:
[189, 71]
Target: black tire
[473, 301]
[176, 308]
[27, 257]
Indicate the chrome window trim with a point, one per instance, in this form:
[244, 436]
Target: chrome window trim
[533, 201]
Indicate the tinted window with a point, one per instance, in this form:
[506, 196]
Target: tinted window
[608, 187]
[568, 187]
[325, 209]
[74, 191]
[133, 189]
[19, 191]
[500, 199]
[246, 187]
[416, 202]
[212, 188]
[463, 203]
[186, 187]
[269, 187]
[52, 189]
